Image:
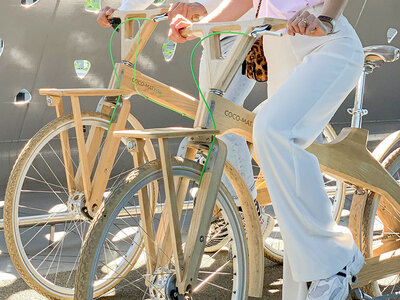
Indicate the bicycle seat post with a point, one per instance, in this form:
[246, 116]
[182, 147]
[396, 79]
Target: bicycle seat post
[357, 111]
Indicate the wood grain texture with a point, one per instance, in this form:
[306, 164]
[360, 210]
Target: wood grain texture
[254, 238]
[379, 267]
[158, 91]
[83, 92]
[357, 215]
[167, 132]
[83, 158]
[146, 212]
[172, 210]
[347, 159]
[202, 213]
[65, 147]
[107, 158]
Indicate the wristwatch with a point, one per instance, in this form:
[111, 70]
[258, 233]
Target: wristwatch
[328, 20]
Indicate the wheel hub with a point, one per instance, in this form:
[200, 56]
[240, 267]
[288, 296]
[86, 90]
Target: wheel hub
[163, 286]
[76, 205]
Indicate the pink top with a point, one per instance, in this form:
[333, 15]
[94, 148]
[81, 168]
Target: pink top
[282, 9]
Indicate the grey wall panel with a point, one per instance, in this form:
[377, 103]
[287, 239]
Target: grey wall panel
[382, 93]
[42, 42]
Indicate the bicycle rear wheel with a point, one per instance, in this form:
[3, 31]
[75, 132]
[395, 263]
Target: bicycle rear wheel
[44, 227]
[112, 242]
[381, 230]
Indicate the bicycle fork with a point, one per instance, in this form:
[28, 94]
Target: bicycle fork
[168, 239]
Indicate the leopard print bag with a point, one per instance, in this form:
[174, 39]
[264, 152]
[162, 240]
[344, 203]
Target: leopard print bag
[255, 65]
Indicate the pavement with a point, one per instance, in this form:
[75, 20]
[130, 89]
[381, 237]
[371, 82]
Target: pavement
[14, 288]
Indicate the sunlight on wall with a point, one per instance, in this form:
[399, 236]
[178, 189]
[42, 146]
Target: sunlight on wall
[80, 39]
[94, 81]
[21, 58]
[146, 62]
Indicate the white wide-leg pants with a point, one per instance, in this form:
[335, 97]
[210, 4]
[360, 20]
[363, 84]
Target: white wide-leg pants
[238, 152]
[309, 77]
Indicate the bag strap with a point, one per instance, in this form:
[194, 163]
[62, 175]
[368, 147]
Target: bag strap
[258, 9]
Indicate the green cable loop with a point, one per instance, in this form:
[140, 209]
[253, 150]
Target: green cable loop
[134, 72]
[193, 74]
[201, 93]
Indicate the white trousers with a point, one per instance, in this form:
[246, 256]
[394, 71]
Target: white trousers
[309, 77]
[238, 152]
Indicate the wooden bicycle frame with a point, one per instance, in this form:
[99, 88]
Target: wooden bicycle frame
[346, 158]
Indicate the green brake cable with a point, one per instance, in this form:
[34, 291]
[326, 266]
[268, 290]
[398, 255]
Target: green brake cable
[191, 68]
[134, 69]
[201, 93]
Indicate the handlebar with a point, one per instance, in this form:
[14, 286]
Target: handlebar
[255, 28]
[268, 29]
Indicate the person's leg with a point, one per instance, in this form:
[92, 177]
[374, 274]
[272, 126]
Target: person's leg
[292, 118]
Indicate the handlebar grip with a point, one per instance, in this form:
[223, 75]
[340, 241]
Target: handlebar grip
[115, 22]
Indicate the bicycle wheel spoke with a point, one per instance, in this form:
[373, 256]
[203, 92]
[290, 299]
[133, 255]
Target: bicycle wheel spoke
[48, 185]
[52, 172]
[211, 276]
[61, 161]
[45, 182]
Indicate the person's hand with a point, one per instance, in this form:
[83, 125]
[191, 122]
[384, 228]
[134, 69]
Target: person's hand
[191, 11]
[102, 18]
[178, 23]
[305, 23]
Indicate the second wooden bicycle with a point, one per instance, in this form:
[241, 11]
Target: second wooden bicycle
[173, 264]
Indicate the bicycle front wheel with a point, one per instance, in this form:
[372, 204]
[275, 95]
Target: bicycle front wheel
[111, 247]
[381, 230]
[43, 222]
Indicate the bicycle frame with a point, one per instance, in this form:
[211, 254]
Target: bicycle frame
[346, 158]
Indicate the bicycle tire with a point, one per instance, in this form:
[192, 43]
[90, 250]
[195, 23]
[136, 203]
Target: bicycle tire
[30, 152]
[93, 247]
[381, 226]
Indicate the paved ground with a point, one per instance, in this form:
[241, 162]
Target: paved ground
[14, 289]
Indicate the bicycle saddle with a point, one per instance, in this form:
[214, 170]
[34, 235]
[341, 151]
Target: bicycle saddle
[383, 53]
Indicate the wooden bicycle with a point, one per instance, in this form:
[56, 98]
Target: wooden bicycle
[44, 235]
[174, 265]
[73, 159]
[66, 170]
